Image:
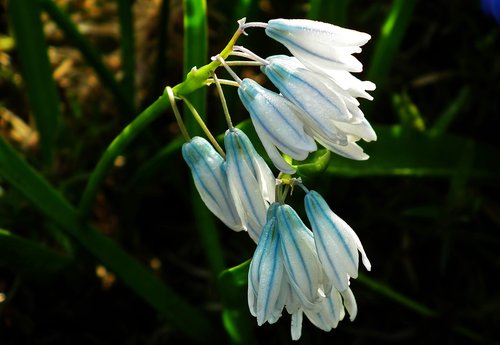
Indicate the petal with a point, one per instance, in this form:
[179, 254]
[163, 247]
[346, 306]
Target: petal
[296, 325]
[337, 248]
[300, 259]
[278, 118]
[362, 130]
[350, 303]
[318, 44]
[209, 175]
[331, 312]
[279, 162]
[243, 178]
[351, 150]
[305, 89]
[266, 276]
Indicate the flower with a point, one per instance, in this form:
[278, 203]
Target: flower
[319, 46]
[330, 111]
[251, 181]
[286, 273]
[336, 242]
[278, 123]
[210, 178]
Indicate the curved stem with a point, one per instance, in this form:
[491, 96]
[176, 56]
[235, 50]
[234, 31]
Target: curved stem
[204, 127]
[177, 115]
[223, 101]
[116, 147]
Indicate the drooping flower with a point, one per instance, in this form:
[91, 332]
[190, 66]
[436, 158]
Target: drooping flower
[330, 112]
[278, 124]
[210, 178]
[319, 46]
[286, 273]
[266, 275]
[336, 242]
[251, 181]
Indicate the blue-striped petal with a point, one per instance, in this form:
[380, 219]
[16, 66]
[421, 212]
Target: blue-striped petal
[307, 90]
[276, 121]
[251, 182]
[300, 259]
[336, 243]
[318, 45]
[209, 175]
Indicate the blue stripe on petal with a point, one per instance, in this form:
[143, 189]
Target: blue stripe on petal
[207, 168]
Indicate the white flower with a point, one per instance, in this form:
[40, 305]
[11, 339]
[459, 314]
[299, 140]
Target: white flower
[285, 272]
[209, 174]
[330, 112]
[278, 124]
[251, 182]
[336, 242]
[319, 46]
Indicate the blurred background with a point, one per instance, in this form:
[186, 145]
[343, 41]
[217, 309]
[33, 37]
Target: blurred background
[426, 205]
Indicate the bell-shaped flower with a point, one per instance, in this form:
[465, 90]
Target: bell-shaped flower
[278, 123]
[209, 174]
[251, 181]
[319, 46]
[266, 275]
[331, 113]
[300, 258]
[336, 242]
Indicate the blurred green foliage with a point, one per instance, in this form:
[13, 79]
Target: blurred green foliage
[104, 240]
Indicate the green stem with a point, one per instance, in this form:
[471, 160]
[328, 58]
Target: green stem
[141, 280]
[37, 72]
[116, 147]
[203, 126]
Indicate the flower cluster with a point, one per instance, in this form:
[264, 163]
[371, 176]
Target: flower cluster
[318, 94]
[300, 269]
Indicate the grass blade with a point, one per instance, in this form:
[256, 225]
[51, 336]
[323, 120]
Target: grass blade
[37, 72]
[29, 258]
[139, 279]
[140, 123]
[387, 45]
[331, 11]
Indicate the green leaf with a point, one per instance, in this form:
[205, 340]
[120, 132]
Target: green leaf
[135, 275]
[405, 152]
[29, 258]
[330, 11]
[36, 72]
[236, 317]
